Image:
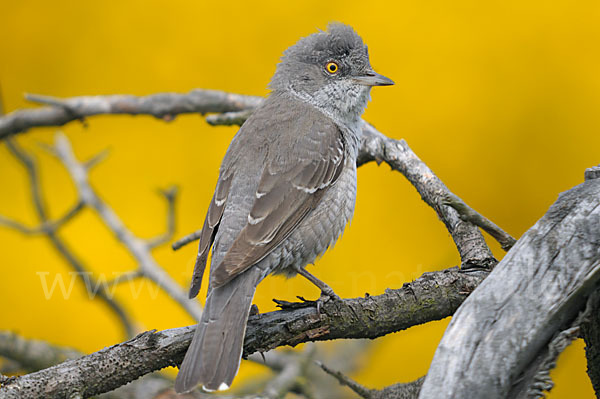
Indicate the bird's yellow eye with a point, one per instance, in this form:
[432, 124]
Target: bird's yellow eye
[332, 67]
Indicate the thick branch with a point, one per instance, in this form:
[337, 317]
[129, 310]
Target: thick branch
[590, 331]
[536, 291]
[431, 297]
[164, 105]
[536, 380]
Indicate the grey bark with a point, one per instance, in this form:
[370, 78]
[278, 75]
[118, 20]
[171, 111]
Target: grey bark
[590, 331]
[164, 105]
[534, 292]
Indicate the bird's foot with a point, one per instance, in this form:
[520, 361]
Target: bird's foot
[327, 295]
[286, 305]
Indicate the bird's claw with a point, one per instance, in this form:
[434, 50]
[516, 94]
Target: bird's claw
[326, 296]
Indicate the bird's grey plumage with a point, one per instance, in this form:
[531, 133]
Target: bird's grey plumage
[285, 192]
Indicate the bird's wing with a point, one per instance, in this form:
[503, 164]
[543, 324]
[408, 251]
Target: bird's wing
[288, 190]
[211, 224]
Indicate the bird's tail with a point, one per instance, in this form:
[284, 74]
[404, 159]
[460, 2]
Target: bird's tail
[213, 358]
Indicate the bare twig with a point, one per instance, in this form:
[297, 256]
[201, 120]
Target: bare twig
[229, 118]
[186, 240]
[124, 277]
[50, 228]
[292, 368]
[45, 227]
[147, 265]
[470, 215]
[343, 379]
[170, 195]
[408, 390]
[396, 153]
[33, 355]
[1, 102]
[164, 106]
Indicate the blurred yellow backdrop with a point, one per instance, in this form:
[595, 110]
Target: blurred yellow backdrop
[499, 98]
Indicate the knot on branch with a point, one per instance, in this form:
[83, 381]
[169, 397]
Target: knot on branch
[592, 173]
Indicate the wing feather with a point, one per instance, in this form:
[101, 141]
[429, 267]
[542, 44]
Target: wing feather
[209, 230]
[283, 199]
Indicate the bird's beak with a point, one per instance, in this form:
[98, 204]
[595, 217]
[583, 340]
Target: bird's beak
[372, 78]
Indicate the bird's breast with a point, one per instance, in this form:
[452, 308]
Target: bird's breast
[320, 229]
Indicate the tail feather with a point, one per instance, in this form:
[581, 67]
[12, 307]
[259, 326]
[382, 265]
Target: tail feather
[214, 356]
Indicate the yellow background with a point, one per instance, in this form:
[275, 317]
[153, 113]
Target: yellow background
[499, 98]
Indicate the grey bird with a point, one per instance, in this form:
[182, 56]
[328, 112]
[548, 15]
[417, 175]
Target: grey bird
[285, 192]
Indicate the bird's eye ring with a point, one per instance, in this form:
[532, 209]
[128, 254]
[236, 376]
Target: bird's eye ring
[332, 67]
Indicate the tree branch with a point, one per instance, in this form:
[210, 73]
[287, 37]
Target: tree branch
[186, 240]
[170, 196]
[140, 250]
[431, 297]
[590, 332]
[292, 368]
[473, 250]
[345, 319]
[33, 355]
[536, 380]
[468, 214]
[408, 390]
[50, 230]
[536, 291]
[163, 106]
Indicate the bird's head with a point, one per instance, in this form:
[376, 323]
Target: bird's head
[330, 70]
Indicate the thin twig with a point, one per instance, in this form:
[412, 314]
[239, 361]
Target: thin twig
[470, 215]
[33, 355]
[229, 118]
[286, 379]
[408, 390]
[170, 196]
[124, 277]
[186, 240]
[139, 249]
[343, 379]
[45, 227]
[50, 230]
[469, 241]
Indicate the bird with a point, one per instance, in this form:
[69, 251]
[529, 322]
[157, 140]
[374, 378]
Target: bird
[285, 192]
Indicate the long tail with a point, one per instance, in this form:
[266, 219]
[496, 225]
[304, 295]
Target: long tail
[214, 356]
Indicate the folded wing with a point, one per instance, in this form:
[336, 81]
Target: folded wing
[288, 190]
